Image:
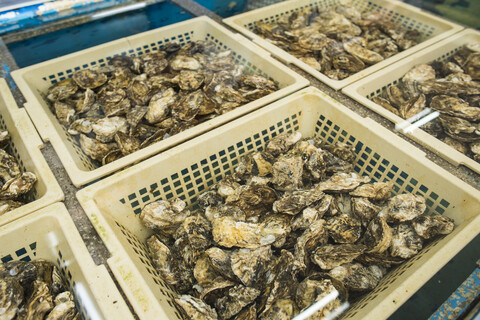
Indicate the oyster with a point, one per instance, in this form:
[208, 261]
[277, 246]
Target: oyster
[282, 309]
[405, 242]
[192, 238]
[455, 107]
[430, 226]
[18, 186]
[364, 210]
[343, 182]
[64, 308]
[282, 143]
[235, 300]
[357, 277]
[62, 90]
[196, 309]
[164, 216]
[314, 236]
[315, 288]
[89, 78]
[287, 173]
[94, 148]
[403, 207]
[169, 266]
[221, 261]
[292, 202]
[160, 105]
[378, 236]
[39, 303]
[377, 191]
[11, 296]
[251, 265]
[106, 128]
[416, 76]
[333, 255]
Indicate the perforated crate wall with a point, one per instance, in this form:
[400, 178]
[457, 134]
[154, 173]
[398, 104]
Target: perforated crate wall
[188, 183]
[181, 38]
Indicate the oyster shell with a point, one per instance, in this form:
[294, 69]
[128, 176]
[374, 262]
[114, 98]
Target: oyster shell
[192, 238]
[403, 207]
[251, 265]
[364, 210]
[160, 106]
[343, 182]
[89, 78]
[292, 202]
[357, 277]
[62, 90]
[11, 296]
[164, 216]
[106, 128]
[18, 186]
[282, 143]
[416, 76]
[344, 228]
[460, 129]
[39, 303]
[196, 309]
[235, 300]
[430, 226]
[378, 191]
[230, 233]
[315, 235]
[405, 242]
[287, 173]
[221, 261]
[314, 289]
[333, 255]
[378, 236]
[455, 107]
[64, 307]
[282, 309]
[169, 266]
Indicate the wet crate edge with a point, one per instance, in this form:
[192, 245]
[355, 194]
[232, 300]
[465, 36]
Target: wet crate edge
[34, 80]
[371, 86]
[50, 234]
[185, 171]
[25, 146]
[408, 15]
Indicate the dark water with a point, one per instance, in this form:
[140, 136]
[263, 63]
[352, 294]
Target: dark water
[62, 42]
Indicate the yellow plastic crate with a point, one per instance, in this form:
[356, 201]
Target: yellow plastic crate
[431, 27]
[34, 80]
[364, 90]
[185, 171]
[25, 145]
[50, 234]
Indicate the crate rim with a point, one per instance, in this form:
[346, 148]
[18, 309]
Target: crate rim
[420, 136]
[82, 177]
[120, 259]
[287, 58]
[29, 136]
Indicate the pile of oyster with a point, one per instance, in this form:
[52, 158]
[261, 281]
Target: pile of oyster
[292, 224]
[34, 290]
[338, 41]
[453, 88]
[13, 183]
[136, 101]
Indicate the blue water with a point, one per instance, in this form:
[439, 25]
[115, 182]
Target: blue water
[62, 42]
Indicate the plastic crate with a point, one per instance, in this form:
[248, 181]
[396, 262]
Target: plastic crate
[50, 234]
[33, 81]
[25, 145]
[431, 27]
[364, 90]
[187, 170]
